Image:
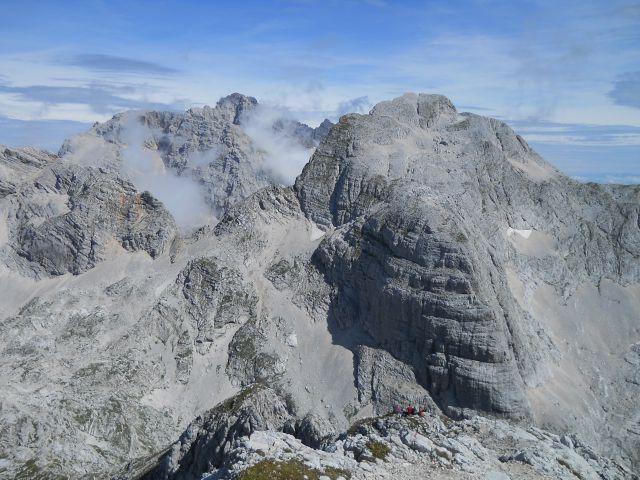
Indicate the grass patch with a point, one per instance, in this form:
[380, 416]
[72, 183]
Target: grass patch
[243, 344]
[366, 422]
[31, 471]
[291, 470]
[334, 473]
[378, 449]
[233, 404]
[206, 263]
[279, 269]
[28, 470]
[460, 237]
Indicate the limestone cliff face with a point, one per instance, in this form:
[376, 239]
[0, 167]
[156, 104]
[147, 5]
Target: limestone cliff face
[63, 218]
[443, 228]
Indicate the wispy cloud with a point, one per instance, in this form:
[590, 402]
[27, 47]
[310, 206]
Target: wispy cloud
[631, 11]
[284, 156]
[595, 153]
[622, 179]
[183, 196]
[354, 105]
[110, 63]
[102, 98]
[594, 163]
[472, 108]
[626, 90]
[577, 134]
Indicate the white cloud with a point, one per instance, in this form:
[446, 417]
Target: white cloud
[284, 156]
[622, 179]
[182, 196]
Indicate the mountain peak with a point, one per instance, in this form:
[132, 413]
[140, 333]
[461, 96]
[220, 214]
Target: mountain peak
[421, 109]
[235, 104]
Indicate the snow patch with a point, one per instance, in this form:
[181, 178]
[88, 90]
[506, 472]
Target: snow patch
[292, 340]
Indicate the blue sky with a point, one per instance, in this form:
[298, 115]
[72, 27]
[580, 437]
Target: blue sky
[566, 74]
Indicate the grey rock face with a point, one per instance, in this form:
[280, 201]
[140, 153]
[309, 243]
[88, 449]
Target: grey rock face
[426, 314]
[208, 144]
[208, 440]
[20, 165]
[248, 363]
[64, 218]
[385, 381]
[215, 296]
[400, 448]
[307, 136]
[431, 209]
[233, 106]
[207, 443]
[315, 432]
[402, 258]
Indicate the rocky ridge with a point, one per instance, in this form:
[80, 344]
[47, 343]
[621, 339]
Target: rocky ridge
[255, 435]
[209, 145]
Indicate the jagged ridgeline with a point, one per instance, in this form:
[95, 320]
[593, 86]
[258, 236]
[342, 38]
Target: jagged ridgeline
[172, 309]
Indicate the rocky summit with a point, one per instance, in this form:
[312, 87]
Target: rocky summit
[175, 306]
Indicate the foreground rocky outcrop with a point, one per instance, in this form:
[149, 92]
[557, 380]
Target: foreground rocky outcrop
[253, 436]
[423, 256]
[209, 439]
[415, 447]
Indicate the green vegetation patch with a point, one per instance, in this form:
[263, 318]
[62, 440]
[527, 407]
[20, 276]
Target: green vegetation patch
[460, 237]
[206, 263]
[31, 471]
[279, 269]
[243, 344]
[291, 470]
[378, 449]
[365, 422]
[233, 404]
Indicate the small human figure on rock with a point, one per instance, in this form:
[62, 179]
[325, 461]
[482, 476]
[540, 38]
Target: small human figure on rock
[411, 410]
[422, 412]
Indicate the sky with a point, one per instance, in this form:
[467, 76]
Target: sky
[564, 74]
